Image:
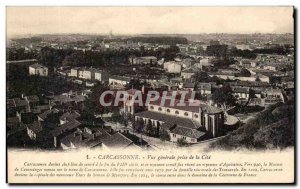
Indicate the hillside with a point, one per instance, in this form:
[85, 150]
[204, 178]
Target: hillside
[273, 128]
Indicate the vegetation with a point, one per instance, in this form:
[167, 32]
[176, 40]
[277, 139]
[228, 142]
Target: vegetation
[272, 128]
[224, 97]
[19, 54]
[149, 129]
[181, 142]
[164, 135]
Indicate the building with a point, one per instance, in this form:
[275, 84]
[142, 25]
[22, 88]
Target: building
[273, 96]
[189, 72]
[204, 88]
[172, 67]
[38, 69]
[34, 129]
[74, 72]
[193, 123]
[143, 60]
[240, 92]
[118, 80]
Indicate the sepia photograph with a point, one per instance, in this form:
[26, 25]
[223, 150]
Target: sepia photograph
[150, 94]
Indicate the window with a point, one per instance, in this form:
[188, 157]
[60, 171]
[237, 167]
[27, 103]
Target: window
[159, 109]
[151, 107]
[186, 114]
[196, 115]
[168, 110]
[176, 112]
[174, 135]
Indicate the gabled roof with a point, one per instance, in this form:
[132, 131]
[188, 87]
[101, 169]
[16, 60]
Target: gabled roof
[37, 66]
[188, 85]
[191, 69]
[36, 127]
[117, 140]
[33, 98]
[192, 133]
[204, 86]
[206, 108]
[70, 116]
[169, 120]
[65, 127]
[236, 89]
[45, 114]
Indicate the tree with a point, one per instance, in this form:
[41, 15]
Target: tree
[149, 128]
[224, 97]
[201, 77]
[140, 125]
[251, 96]
[181, 142]
[164, 135]
[116, 116]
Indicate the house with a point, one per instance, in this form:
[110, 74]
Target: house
[273, 96]
[32, 100]
[204, 88]
[64, 129]
[143, 60]
[190, 86]
[130, 106]
[118, 141]
[34, 129]
[189, 72]
[66, 98]
[86, 137]
[240, 92]
[247, 63]
[119, 80]
[101, 76]
[74, 72]
[43, 116]
[68, 116]
[38, 69]
[189, 135]
[172, 67]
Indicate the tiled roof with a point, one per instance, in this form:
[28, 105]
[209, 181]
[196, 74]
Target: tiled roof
[33, 98]
[240, 90]
[122, 78]
[206, 108]
[188, 85]
[35, 127]
[117, 140]
[45, 114]
[203, 86]
[65, 127]
[70, 116]
[192, 133]
[169, 121]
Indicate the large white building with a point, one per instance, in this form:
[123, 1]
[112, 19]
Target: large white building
[143, 60]
[172, 67]
[37, 69]
[89, 74]
[191, 123]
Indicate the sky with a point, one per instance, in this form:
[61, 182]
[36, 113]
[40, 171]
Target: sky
[148, 20]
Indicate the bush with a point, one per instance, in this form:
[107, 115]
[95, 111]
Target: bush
[181, 142]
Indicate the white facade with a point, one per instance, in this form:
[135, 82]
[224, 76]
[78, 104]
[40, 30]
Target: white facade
[175, 137]
[38, 69]
[172, 67]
